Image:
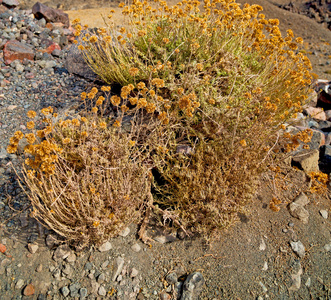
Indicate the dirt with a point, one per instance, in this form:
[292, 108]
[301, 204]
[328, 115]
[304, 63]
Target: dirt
[253, 258]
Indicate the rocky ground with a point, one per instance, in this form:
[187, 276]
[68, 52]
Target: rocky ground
[265, 255]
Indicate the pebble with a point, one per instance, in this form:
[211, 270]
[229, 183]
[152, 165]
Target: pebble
[102, 291]
[327, 247]
[125, 232]
[105, 247]
[324, 213]
[19, 284]
[136, 247]
[65, 291]
[117, 268]
[33, 248]
[298, 248]
[134, 272]
[29, 290]
[172, 278]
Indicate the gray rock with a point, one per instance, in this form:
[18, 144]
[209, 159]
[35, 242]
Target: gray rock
[172, 278]
[83, 292]
[193, 286]
[105, 247]
[74, 289]
[71, 258]
[308, 161]
[51, 241]
[296, 277]
[298, 248]
[327, 247]
[118, 266]
[61, 252]
[33, 248]
[324, 213]
[125, 232]
[136, 247]
[65, 291]
[102, 291]
[299, 212]
[19, 284]
[302, 200]
[67, 270]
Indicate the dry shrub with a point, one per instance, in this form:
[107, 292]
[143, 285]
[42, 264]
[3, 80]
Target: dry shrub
[218, 80]
[87, 180]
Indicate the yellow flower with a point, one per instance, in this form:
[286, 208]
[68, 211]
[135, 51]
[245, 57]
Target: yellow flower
[30, 137]
[83, 95]
[105, 88]
[133, 100]
[93, 39]
[96, 223]
[83, 119]
[84, 134]
[66, 141]
[11, 149]
[30, 125]
[18, 135]
[117, 123]
[166, 40]
[141, 33]
[211, 101]
[100, 100]
[141, 85]
[132, 143]
[94, 109]
[243, 143]
[150, 108]
[103, 125]
[31, 114]
[121, 5]
[124, 108]
[75, 122]
[133, 71]
[141, 103]
[200, 67]
[115, 100]
[81, 47]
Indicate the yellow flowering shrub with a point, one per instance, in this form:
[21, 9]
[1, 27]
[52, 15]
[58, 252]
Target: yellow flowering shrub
[216, 78]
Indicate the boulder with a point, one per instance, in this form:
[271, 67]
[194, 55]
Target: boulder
[51, 15]
[14, 50]
[316, 113]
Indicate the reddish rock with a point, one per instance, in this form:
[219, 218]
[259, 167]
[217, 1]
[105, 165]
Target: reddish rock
[52, 47]
[14, 50]
[51, 15]
[316, 113]
[10, 3]
[3, 248]
[328, 115]
[29, 290]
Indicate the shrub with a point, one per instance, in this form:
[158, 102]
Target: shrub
[87, 180]
[219, 80]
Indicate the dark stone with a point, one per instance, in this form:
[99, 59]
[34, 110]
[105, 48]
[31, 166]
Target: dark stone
[76, 64]
[10, 3]
[51, 15]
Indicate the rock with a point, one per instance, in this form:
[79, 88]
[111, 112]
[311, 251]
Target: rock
[105, 247]
[164, 296]
[296, 277]
[324, 213]
[172, 278]
[19, 284]
[136, 247]
[74, 289]
[102, 291]
[14, 50]
[65, 291]
[328, 114]
[33, 248]
[302, 200]
[299, 212]
[61, 252]
[298, 248]
[29, 290]
[76, 64]
[83, 292]
[67, 270]
[327, 247]
[134, 272]
[184, 149]
[125, 232]
[71, 258]
[39, 268]
[316, 113]
[51, 15]
[262, 246]
[307, 162]
[51, 241]
[10, 3]
[118, 266]
[50, 49]
[193, 286]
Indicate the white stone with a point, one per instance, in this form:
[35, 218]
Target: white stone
[302, 200]
[125, 232]
[134, 272]
[19, 284]
[324, 213]
[136, 247]
[33, 248]
[118, 266]
[298, 248]
[105, 247]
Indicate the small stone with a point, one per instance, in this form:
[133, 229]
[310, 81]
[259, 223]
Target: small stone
[39, 268]
[33, 248]
[71, 258]
[298, 248]
[105, 264]
[172, 278]
[302, 200]
[65, 291]
[51, 241]
[308, 162]
[193, 286]
[29, 290]
[19, 284]
[324, 213]
[299, 212]
[83, 292]
[164, 296]
[316, 113]
[264, 288]
[262, 246]
[308, 282]
[102, 291]
[101, 278]
[296, 277]
[134, 272]
[118, 266]
[124, 232]
[327, 247]
[265, 266]
[105, 247]
[61, 252]
[136, 247]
